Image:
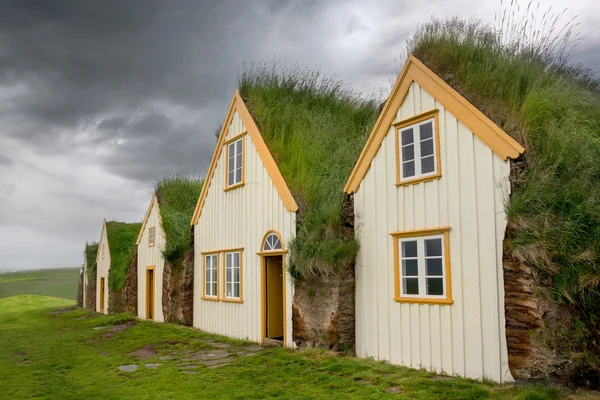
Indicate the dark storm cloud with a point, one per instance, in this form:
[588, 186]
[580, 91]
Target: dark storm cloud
[4, 160]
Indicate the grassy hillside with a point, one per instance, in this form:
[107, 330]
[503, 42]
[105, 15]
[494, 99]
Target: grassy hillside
[527, 86]
[91, 252]
[76, 355]
[60, 283]
[177, 198]
[315, 128]
[121, 243]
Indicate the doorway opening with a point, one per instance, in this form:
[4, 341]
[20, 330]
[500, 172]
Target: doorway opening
[102, 294]
[274, 298]
[150, 293]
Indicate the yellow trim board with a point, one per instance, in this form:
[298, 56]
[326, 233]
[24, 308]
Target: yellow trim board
[415, 71]
[237, 104]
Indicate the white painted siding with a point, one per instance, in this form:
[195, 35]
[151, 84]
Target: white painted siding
[85, 279]
[103, 269]
[466, 338]
[235, 219]
[151, 256]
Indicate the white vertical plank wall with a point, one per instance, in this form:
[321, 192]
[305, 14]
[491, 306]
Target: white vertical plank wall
[239, 218]
[466, 338]
[151, 256]
[102, 269]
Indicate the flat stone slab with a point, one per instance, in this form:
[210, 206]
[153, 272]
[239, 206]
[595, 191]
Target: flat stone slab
[152, 365]
[253, 349]
[188, 367]
[212, 364]
[128, 368]
[97, 328]
[144, 353]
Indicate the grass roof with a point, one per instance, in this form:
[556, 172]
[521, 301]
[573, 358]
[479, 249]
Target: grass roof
[121, 243]
[315, 128]
[529, 88]
[177, 197]
[91, 251]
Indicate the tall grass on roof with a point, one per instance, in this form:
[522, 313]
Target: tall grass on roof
[315, 127]
[523, 79]
[91, 251]
[121, 243]
[177, 196]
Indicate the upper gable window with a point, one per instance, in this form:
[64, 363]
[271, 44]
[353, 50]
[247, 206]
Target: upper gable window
[418, 149]
[152, 236]
[235, 163]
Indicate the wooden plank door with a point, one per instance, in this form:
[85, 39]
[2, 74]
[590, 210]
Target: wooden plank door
[150, 293]
[274, 294]
[102, 294]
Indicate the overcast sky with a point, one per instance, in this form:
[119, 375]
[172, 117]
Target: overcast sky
[99, 98]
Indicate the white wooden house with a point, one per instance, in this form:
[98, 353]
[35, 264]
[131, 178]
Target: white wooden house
[244, 216]
[430, 189]
[150, 264]
[103, 268]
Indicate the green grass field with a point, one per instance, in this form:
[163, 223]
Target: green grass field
[76, 355]
[60, 283]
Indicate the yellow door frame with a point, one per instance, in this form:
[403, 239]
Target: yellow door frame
[263, 291]
[148, 289]
[102, 293]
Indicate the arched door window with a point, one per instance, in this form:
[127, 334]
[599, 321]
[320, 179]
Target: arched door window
[272, 242]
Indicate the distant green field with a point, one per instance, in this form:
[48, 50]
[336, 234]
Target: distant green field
[60, 283]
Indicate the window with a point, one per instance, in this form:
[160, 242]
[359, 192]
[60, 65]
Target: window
[422, 266]
[211, 275]
[235, 163]
[151, 236]
[272, 242]
[232, 275]
[418, 149]
[103, 250]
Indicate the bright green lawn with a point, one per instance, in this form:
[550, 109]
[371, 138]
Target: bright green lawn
[60, 356]
[47, 282]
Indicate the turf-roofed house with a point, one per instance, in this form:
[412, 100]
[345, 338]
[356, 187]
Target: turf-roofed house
[165, 257]
[273, 257]
[116, 267]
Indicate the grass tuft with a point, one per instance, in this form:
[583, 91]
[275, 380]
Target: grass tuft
[121, 243]
[315, 128]
[177, 196]
[522, 78]
[91, 252]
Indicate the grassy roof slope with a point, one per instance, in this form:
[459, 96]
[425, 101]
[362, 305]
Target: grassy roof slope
[315, 129]
[177, 197]
[91, 251]
[121, 243]
[553, 108]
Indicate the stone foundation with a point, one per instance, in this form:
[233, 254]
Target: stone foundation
[178, 291]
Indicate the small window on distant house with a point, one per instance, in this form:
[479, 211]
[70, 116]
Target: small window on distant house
[235, 160]
[211, 275]
[422, 267]
[418, 148]
[152, 236]
[233, 275]
[103, 250]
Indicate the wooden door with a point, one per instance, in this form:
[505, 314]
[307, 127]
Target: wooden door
[102, 294]
[150, 293]
[274, 294]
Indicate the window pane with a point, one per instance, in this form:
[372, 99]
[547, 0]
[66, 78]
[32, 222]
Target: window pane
[426, 130]
[236, 290]
[433, 266]
[410, 267]
[239, 148]
[208, 289]
[238, 175]
[214, 289]
[228, 291]
[236, 275]
[407, 136]
[410, 285]
[229, 275]
[427, 148]
[435, 286]
[427, 165]
[408, 153]
[409, 249]
[433, 247]
[230, 179]
[236, 260]
[408, 169]
[276, 243]
[228, 260]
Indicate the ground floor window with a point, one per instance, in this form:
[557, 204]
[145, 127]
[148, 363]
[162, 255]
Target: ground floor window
[232, 274]
[422, 266]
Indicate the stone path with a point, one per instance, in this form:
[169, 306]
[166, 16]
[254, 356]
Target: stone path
[212, 355]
